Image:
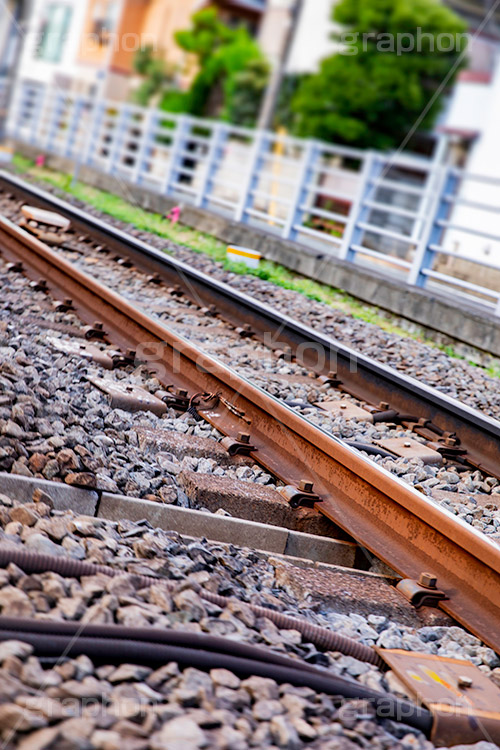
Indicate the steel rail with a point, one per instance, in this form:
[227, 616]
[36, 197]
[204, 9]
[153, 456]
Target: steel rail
[398, 524]
[364, 377]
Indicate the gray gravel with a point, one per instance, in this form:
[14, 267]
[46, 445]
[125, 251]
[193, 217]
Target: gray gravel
[54, 424]
[74, 705]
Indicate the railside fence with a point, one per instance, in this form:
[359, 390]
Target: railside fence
[399, 214]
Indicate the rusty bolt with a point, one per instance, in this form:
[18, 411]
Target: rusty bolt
[305, 485]
[464, 682]
[243, 437]
[98, 325]
[332, 374]
[182, 392]
[383, 405]
[427, 580]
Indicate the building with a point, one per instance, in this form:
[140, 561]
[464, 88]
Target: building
[88, 46]
[12, 29]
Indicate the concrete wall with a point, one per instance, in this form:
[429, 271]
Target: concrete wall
[437, 314]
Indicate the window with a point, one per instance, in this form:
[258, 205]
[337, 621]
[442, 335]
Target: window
[104, 20]
[53, 32]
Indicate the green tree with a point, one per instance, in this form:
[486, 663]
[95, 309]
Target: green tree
[232, 71]
[155, 72]
[372, 92]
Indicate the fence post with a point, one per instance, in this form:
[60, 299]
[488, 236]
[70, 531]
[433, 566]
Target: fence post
[55, 113]
[13, 117]
[296, 213]
[446, 183]
[250, 179]
[178, 143]
[118, 137]
[37, 113]
[217, 141]
[78, 105]
[353, 234]
[95, 126]
[145, 145]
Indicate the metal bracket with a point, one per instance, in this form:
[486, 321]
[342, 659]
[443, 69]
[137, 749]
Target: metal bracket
[177, 398]
[64, 306]
[125, 262]
[39, 286]
[241, 446]
[330, 379]
[422, 593]
[245, 331]
[210, 311]
[154, 279]
[95, 332]
[175, 291]
[301, 495]
[15, 267]
[463, 701]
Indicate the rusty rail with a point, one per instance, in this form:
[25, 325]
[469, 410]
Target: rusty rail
[398, 524]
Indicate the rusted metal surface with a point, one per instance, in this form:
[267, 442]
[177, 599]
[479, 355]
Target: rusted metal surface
[398, 524]
[81, 349]
[407, 448]
[302, 495]
[465, 703]
[129, 397]
[421, 593]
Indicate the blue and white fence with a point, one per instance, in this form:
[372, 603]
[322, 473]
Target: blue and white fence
[399, 214]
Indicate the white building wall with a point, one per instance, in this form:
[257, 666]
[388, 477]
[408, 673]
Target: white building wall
[312, 40]
[69, 66]
[476, 107]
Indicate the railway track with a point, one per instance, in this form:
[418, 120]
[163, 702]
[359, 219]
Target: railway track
[399, 525]
[461, 436]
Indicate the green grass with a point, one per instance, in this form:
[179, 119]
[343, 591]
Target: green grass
[118, 208]
[137, 217]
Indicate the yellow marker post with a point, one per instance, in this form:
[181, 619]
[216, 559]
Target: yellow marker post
[244, 255]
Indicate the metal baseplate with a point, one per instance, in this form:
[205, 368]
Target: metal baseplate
[464, 702]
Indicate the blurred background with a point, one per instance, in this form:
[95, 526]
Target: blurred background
[183, 97]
